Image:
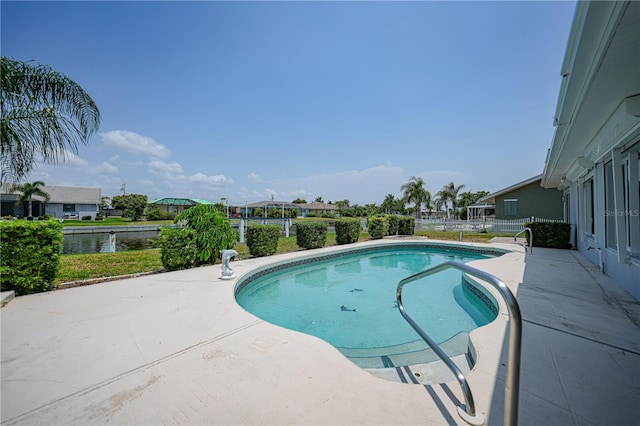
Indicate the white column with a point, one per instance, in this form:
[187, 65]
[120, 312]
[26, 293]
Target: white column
[618, 202]
[634, 204]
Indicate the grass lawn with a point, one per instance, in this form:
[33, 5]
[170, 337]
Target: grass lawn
[75, 267]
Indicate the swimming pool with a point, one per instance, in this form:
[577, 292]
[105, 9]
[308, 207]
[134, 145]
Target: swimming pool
[348, 298]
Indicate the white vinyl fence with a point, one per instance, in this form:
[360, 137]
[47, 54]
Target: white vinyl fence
[489, 224]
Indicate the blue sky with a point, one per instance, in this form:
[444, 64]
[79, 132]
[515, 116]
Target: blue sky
[339, 100]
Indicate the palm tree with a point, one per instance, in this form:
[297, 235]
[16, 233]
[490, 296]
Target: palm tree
[44, 114]
[414, 191]
[28, 191]
[449, 194]
[388, 204]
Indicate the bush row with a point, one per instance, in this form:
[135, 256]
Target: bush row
[382, 225]
[29, 255]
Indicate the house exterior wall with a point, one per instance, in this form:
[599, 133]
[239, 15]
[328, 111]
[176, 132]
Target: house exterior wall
[532, 200]
[80, 210]
[598, 239]
[173, 209]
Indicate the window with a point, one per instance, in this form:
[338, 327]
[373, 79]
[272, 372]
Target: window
[511, 207]
[589, 222]
[68, 207]
[622, 203]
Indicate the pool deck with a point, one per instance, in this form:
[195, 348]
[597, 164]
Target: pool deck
[175, 348]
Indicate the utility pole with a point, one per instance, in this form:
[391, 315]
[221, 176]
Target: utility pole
[123, 188]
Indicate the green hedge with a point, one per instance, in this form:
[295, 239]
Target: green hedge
[550, 234]
[378, 227]
[393, 224]
[29, 254]
[310, 235]
[347, 231]
[154, 213]
[262, 240]
[178, 248]
[406, 225]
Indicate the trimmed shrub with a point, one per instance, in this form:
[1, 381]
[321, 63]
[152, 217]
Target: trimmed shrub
[550, 234]
[393, 224]
[86, 217]
[178, 248]
[406, 225]
[378, 227]
[262, 240]
[213, 231]
[155, 213]
[29, 255]
[310, 235]
[347, 231]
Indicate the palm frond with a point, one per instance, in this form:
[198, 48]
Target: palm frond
[43, 112]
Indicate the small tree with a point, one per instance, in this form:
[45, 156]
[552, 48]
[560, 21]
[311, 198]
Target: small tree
[213, 231]
[132, 205]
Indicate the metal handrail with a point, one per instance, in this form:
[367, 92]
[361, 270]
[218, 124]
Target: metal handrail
[530, 238]
[512, 387]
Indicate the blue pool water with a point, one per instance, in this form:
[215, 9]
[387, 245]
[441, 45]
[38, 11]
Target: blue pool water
[350, 301]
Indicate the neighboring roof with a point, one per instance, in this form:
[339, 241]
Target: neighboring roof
[319, 206]
[68, 194]
[598, 106]
[490, 198]
[273, 204]
[179, 201]
[288, 205]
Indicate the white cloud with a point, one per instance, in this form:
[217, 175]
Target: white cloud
[217, 180]
[103, 168]
[161, 166]
[254, 177]
[67, 158]
[298, 193]
[134, 143]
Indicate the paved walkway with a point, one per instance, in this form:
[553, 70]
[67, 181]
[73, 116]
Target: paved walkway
[175, 348]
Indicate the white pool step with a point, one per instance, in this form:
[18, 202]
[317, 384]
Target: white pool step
[406, 354]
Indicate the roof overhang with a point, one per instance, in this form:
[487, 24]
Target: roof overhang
[599, 103]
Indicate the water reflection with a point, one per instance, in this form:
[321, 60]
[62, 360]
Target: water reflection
[99, 243]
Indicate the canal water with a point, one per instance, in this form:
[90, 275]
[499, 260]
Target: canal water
[99, 243]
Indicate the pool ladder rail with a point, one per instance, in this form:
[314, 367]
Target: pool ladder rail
[530, 239]
[468, 411]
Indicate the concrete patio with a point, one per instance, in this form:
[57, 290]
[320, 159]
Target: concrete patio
[175, 348]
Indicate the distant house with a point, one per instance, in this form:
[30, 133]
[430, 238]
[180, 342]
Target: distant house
[304, 210]
[177, 205]
[251, 210]
[64, 202]
[594, 155]
[317, 209]
[522, 200]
